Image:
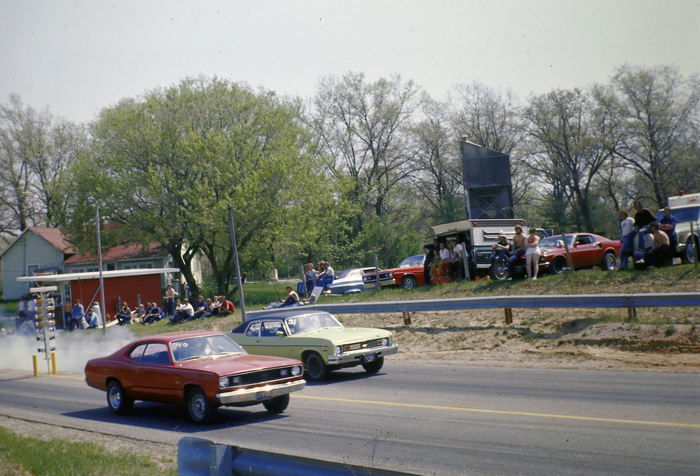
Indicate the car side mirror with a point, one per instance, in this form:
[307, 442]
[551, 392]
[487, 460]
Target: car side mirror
[279, 333]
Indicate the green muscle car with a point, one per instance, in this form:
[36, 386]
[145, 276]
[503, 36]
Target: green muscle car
[317, 339]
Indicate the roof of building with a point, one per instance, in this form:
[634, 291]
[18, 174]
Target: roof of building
[55, 237]
[121, 252]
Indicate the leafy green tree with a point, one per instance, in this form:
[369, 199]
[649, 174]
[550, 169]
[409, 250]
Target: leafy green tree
[167, 165]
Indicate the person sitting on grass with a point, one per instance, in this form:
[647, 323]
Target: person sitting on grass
[139, 313]
[200, 307]
[124, 314]
[223, 307]
[183, 311]
[291, 300]
[659, 253]
[155, 313]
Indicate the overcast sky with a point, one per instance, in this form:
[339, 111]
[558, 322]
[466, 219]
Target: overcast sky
[76, 57]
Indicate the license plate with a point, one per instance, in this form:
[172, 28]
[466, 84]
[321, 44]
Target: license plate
[261, 396]
[369, 358]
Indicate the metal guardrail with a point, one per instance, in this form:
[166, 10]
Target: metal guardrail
[200, 457]
[630, 301]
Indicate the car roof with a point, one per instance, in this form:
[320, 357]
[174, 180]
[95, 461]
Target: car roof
[268, 317]
[172, 336]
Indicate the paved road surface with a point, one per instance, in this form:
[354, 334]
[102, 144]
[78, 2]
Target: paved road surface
[427, 419]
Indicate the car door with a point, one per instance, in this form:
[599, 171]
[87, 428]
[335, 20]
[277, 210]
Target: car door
[586, 250]
[157, 376]
[274, 340]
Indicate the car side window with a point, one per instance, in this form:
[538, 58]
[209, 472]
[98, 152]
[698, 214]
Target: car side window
[156, 353]
[253, 330]
[137, 353]
[585, 239]
[270, 328]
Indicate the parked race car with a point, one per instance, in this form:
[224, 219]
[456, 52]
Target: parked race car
[317, 339]
[408, 274]
[586, 250]
[203, 370]
[349, 281]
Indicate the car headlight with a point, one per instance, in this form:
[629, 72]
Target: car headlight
[284, 372]
[223, 382]
[338, 350]
[385, 341]
[296, 370]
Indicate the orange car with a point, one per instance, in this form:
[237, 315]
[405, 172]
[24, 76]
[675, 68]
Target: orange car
[586, 249]
[203, 370]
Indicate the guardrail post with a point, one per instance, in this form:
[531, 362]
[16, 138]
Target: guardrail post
[406, 318]
[631, 313]
[509, 315]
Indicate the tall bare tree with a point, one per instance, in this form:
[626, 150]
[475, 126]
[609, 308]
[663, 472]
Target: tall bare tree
[439, 174]
[36, 149]
[567, 149]
[359, 129]
[659, 128]
[493, 119]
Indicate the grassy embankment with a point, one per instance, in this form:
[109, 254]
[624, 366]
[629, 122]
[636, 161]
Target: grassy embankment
[57, 457]
[681, 278]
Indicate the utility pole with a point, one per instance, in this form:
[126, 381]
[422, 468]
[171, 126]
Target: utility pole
[102, 283]
[234, 247]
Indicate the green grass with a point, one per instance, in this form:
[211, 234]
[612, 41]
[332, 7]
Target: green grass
[60, 457]
[681, 278]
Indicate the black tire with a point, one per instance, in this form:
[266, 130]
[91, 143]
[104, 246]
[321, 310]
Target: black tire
[316, 368]
[557, 266]
[117, 399]
[688, 255]
[198, 407]
[409, 282]
[374, 366]
[276, 405]
[609, 261]
[499, 270]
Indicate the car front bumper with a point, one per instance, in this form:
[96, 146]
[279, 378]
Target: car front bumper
[259, 394]
[359, 356]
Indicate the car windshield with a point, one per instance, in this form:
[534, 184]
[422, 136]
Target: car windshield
[311, 322]
[207, 346]
[682, 214]
[342, 274]
[556, 241]
[416, 260]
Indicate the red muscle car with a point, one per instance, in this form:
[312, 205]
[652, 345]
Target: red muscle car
[586, 250]
[203, 370]
[408, 274]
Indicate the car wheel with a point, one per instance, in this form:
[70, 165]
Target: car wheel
[374, 366]
[199, 408]
[315, 367]
[557, 265]
[117, 400]
[409, 282]
[277, 404]
[609, 261]
[499, 270]
[689, 252]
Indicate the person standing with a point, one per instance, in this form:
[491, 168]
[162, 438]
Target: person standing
[626, 237]
[169, 301]
[532, 254]
[667, 224]
[96, 311]
[519, 241]
[642, 219]
[77, 315]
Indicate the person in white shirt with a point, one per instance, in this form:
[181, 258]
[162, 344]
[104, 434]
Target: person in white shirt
[183, 311]
[626, 237]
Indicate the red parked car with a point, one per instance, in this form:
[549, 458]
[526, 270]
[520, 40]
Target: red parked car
[201, 369]
[408, 274]
[586, 249]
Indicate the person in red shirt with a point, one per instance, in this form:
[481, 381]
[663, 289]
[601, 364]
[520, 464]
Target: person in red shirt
[224, 306]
